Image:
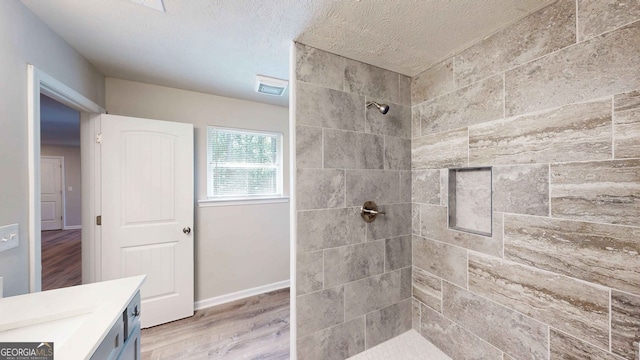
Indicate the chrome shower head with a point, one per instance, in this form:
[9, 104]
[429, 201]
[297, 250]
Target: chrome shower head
[383, 108]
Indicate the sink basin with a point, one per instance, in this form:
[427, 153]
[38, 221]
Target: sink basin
[56, 328]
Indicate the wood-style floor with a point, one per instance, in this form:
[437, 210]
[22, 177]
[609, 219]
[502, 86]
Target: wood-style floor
[61, 259]
[252, 328]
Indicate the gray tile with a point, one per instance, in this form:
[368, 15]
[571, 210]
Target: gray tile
[346, 111]
[470, 201]
[397, 253]
[309, 272]
[397, 153]
[371, 294]
[405, 90]
[352, 150]
[574, 132]
[427, 288]
[388, 323]
[319, 189]
[415, 314]
[453, 339]
[445, 261]
[604, 191]
[626, 131]
[444, 186]
[474, 104]
[563, 346]
[509, 331]
[596, 16]
[569, 305]
[415, 219]
[541, 33]
[350, 263]
[604, 254]
[415, 122]
[381, 187]
[433, 82]
[339, 342]
[319, 67]
[308, 147]
[396, 222]
[319, 310]
[442, 150]
[372, 81]
[625, 324]
[405, 186]
[521, 189]
[396, 122]
[608, 64]
[426, 186]
[321, 229]
[406, 285]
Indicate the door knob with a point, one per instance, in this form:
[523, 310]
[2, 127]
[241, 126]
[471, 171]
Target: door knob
[186, 230]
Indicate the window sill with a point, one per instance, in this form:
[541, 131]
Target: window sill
[235, 202]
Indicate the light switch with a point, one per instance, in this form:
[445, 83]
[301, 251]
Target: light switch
[69, 188]
[9, 237]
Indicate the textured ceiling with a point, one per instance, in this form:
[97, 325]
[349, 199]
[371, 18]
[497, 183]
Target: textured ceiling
[218, 46]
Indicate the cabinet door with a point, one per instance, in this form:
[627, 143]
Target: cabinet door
[131, 349]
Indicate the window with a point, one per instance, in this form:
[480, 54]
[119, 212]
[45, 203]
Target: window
[243, 164]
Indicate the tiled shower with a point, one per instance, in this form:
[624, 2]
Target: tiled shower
[550, 107]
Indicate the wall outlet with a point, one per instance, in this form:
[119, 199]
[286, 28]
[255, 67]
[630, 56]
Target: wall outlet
[9, 237]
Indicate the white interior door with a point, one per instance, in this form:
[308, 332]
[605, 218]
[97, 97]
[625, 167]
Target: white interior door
[147, 211]
[51, 193]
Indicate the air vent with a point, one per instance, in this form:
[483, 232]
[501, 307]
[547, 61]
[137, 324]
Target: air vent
[271, 86]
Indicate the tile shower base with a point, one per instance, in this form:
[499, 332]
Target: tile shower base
[408, 346]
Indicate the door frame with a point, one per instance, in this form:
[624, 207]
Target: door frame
[39, 82]
[62, 188]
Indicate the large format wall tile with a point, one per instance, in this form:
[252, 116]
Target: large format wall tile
[371, 294]
[627, 125]
[388, 323]
[453, 339]
[320, 310]
[405, 186]
[598, 253]
[352, 150]
[338, 342]
[563, 346]
[445, 261]
[397, 253]
[426, 186]
[350, 263]
[521, 189]
[513, 333]
[427, 288]
[397, 153]
[567, 304]
[405, 89]
[382, 187]
[415, 314]
[319, 189]
[344, 112]
[442, 150]
[571, 133]
[321, 229]
[396, 222]
[309, 272]
[625, 324]
[433, 82]
[605, 65]
[543, 32]
[474, 104]
[415, 219]
[319, 67]
[596, 16]
[371, 81]
[415, 122]
[604, 191]
[396, 122]
[308, 147]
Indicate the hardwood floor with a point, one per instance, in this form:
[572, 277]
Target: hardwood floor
[61, 259]
[252, 328]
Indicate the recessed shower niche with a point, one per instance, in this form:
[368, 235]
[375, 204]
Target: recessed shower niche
[470, 200]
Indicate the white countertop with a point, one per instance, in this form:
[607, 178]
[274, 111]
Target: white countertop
[75, 319]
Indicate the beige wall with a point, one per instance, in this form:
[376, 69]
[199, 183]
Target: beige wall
[73, 198]
[25, 39]
[237, 247]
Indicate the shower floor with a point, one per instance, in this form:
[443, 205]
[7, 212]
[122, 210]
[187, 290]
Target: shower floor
[408, 346]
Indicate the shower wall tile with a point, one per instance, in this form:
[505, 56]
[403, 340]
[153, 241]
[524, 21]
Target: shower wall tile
[309, 272]
[388, 323]
[319, 67]
[596, 17]
[406, 285]
[563, 346]
[415, 314]
[541, 33]
[396, 222]
[338, 342]
[442, 150]
[352, 150]
[427, 288]
[405, 89]
[397, 153]
[308, 147]
[571, 133]
[382, 187]
[396, 122]
[605, 191]
[319, 189]
[625, 324]
[405, 186]
[477, 103]
[605, 65]
[526, 338]
[371, 81]
[321, 229]
[346, 111]
[415, 122]
[426, 186]
[436, 81]
[444, 186]
[371, 294]
[415, 219]
[453, 339]
[445, 261]
[521, 189]
[320, 310]
[354, 262]
[627, 125]
[397, 253]
[567, 304]
[603, 254]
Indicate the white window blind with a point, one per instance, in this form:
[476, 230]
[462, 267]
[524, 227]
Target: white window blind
[243, 164]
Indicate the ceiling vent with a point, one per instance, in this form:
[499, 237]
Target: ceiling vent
[271, 86]
[154, 4]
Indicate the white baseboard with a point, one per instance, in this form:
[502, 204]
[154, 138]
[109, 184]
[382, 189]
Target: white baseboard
[73, 227]
[223, 299]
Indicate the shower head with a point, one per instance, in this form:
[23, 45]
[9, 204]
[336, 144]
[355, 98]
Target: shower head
[383, 108]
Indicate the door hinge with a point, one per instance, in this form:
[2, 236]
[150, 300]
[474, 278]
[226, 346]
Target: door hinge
[99, 139]
[99, 220]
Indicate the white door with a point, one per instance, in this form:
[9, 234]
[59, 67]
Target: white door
[147, 211]
[51, 193]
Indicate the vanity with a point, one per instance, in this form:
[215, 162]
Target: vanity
[95, 321]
